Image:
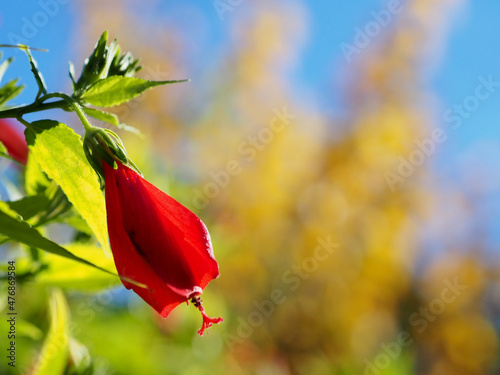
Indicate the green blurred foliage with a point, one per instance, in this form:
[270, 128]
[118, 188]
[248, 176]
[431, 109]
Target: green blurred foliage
[318, 256]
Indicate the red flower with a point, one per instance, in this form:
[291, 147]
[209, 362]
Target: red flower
[14, 142]
[158, 242]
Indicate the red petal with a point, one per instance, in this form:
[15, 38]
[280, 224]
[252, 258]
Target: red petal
[14, 142]
[128, 262]
[190, 233]
[156, 241]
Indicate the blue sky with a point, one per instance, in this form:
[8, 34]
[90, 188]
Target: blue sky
[471, 51]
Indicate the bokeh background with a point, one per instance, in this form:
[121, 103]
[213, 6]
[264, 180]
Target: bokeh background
[344, 156]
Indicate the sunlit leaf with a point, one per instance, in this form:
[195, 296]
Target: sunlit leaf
[59, 152]
[35, 181]
[115, 90]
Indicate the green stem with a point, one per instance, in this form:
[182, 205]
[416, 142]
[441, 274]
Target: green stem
[74, 105]
[66, 104]
[32, 108]
[81, 115]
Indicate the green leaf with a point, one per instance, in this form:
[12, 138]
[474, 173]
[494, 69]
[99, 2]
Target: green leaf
[4, 66]
[77, 222]
[71, 73]
[54, 355]
[27, 329]
[71, 275]
[115, 90]
[30, 206]
[42, 88]
[23, 47]
[59, 152]
[9, 91]
[13, 227]
[23, 327]
[35, 181]
[112, 119]
[103, 116]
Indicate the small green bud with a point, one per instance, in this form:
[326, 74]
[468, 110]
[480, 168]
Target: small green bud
[103, 145]
[105, 61]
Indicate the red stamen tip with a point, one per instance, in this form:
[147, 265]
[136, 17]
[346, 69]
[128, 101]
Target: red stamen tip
[207, 321]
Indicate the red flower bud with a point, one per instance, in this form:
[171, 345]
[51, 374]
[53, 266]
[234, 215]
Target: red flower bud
[14, 142]
[158, 242]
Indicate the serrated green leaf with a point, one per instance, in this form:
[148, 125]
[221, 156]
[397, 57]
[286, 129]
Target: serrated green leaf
[103, 116]
[66, 274]
[54, 355]
[115, 90]
[59, 152]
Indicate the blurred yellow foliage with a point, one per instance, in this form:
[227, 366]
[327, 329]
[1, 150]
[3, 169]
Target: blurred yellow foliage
[318, 256]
